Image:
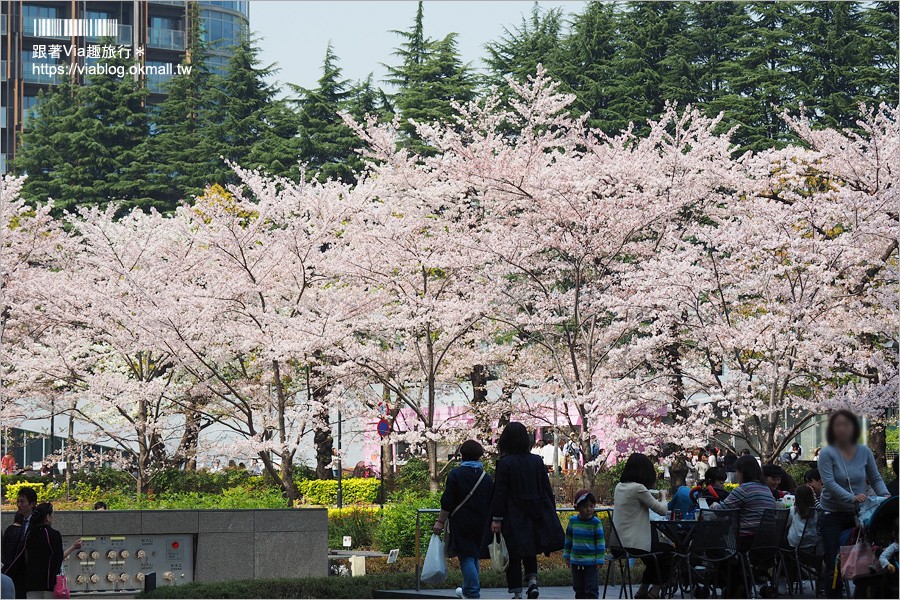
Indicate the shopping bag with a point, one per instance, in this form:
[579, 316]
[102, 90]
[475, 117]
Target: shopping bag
[62, 587]
[856, 560]
[435, 568]
[499, 554]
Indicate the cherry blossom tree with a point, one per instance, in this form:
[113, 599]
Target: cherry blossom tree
[782, 298]
[253, 302]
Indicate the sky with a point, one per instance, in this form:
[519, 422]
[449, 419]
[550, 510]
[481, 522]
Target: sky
[295, 34]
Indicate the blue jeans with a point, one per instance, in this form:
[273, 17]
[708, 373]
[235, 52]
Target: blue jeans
[831, 525]
[8, 587]
[585, 581]
[469, 567]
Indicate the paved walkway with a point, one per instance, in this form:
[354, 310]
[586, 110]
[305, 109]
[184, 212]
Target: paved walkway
[547, 593]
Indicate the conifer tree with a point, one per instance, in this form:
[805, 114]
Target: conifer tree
[535, 41]
[177, 167]
[327, 145]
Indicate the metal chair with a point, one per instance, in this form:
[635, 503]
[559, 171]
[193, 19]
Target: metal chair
[713, 545]
[617, 553]
[766, 546]
[801, 557]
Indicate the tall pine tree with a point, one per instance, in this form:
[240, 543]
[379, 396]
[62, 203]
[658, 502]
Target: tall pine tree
[430, 77]
[177, 169]
[82, 141]
[536, 40]
[327, 145]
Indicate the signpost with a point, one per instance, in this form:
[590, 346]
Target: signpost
[383, 429]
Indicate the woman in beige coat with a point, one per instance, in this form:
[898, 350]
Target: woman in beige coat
[631, 518]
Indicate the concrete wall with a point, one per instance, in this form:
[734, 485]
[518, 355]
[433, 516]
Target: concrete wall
[231, 544]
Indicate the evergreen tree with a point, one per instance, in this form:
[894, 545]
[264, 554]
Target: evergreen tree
[880, 24]
[366, 99]
[247, 119]
[833, 66]
[327, 144]
[590, 53]
[652, 67]
[535, 41]
[99, 135]
[178, 169]
[430, 78]
[765, 78]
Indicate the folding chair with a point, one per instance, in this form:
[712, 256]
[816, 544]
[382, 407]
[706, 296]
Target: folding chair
[766, 546]
[617, 553]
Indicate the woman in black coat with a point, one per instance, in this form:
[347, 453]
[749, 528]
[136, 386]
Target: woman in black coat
[45, 553]
[523, 509]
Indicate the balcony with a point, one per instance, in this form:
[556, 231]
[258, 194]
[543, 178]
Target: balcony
[123, 37]
[28, 25]
[166, 39]
[31, 73]
[170, 2]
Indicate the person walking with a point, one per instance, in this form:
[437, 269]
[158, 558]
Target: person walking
[585, 547]
[465, 511]
[844, 465]
[45, 554]
[523, 509]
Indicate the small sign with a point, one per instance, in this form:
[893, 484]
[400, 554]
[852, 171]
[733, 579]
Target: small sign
[348, 541]
[383, 409]
[384, 428]
[392, 556]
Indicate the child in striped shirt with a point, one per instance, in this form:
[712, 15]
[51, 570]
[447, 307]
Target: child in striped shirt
[585, 546]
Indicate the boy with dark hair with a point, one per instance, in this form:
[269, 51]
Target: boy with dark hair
[813, 479]
[585, 546]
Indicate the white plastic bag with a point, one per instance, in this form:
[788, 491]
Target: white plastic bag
[499, 554]
[435, 568]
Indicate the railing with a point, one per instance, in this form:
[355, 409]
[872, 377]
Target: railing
[28, 24]
[419, 511]
[30, 76]
[122, 37]
[167, 39]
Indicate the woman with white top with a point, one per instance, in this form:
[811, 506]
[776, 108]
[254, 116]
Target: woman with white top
[632, 502]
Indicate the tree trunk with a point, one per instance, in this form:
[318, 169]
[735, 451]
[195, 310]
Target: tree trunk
[287, 480]
[324, 451]
[434, 476]
[878, 442]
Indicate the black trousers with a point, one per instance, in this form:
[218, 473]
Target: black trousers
[514, 571]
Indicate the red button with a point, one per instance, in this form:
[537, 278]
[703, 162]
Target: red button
[175, 544]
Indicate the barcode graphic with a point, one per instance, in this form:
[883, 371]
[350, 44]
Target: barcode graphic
[76, 27]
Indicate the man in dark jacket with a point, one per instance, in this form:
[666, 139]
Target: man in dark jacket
[466, 503]
[13, 549]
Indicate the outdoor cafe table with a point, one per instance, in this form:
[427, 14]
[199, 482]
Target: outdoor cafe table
[678, 532]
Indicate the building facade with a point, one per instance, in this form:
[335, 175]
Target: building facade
[40, 37]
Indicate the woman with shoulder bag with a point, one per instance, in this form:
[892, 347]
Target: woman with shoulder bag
[44, 552]
[465, 508]
[844, 465]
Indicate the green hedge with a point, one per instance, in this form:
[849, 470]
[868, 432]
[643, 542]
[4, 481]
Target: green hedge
[397, 528]
[337, 587]
[355, 491]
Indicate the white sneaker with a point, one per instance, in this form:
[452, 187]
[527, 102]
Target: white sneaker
[459, 593]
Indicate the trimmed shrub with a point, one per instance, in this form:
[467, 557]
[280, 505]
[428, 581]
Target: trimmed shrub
[360, 523]
[12, 489]
[324, 491]
[397, 528]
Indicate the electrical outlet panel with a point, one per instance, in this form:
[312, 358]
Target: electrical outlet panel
[121, 563]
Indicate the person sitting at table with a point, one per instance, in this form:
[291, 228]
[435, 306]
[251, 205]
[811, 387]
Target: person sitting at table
[631, 519]
[681, 496]
[813, 479]
[713, 488]
[803, 514]
[773, 475]
[751, 497]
